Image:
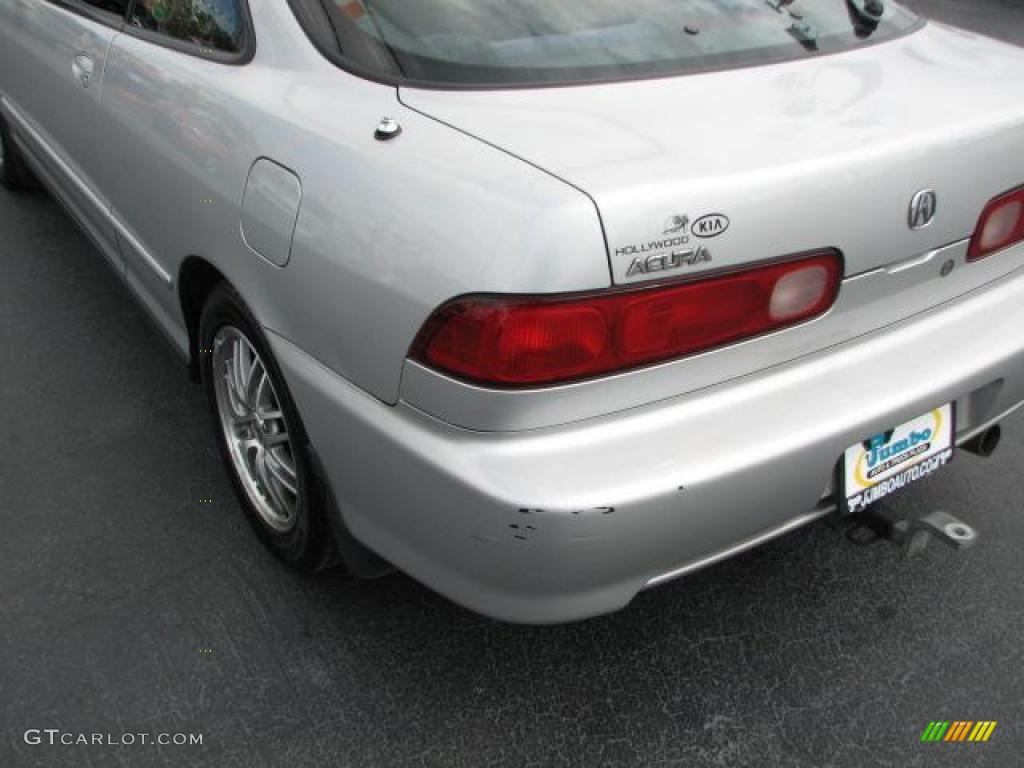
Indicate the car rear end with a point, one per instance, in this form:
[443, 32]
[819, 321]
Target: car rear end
[804, 251]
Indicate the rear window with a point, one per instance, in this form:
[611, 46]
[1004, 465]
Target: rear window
[509, 42]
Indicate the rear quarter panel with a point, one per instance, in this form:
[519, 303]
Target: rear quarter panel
[386, 231]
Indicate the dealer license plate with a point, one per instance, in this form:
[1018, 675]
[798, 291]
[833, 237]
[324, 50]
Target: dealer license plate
[885, 463]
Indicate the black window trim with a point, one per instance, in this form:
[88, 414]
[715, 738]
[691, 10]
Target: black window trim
[233, 58]
[91, 12]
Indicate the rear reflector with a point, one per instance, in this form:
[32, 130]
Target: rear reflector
[1001, 225]
[519, 341]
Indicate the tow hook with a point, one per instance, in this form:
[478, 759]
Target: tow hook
[880, 521]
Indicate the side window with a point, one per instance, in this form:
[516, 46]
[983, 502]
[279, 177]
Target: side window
[216, 24]
[117, 7]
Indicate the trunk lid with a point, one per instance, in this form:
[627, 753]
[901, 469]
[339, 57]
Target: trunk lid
[773, 160]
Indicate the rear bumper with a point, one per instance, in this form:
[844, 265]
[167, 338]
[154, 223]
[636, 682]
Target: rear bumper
[564, 523]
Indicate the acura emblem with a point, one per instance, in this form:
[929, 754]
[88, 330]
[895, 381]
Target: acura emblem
[922, 209]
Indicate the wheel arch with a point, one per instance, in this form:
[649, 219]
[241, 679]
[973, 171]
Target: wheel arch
[197, 277]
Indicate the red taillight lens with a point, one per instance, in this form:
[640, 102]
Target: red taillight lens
[1001, 225]
[522, 341]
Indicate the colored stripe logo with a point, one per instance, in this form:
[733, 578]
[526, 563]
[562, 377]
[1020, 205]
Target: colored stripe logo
[959, 730]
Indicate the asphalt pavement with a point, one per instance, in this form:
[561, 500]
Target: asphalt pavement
[135, 600]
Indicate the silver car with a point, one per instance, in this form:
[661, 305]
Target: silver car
[547, 303]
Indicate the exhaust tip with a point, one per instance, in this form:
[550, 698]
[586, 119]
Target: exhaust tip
[985, 443]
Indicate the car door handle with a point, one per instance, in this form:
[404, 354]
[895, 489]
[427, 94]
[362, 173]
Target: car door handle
[82, 68]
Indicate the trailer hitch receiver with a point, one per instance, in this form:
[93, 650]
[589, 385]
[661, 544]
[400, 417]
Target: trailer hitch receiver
[880, 521]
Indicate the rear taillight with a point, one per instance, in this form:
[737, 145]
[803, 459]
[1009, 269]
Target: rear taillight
[532, 341]
[1001, 225]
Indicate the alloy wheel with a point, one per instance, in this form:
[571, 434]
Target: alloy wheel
[258, 438]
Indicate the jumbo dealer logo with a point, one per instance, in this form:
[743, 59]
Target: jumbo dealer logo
[883, 455]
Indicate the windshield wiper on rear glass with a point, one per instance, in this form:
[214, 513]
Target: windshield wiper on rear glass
[865, 16]
[803, 31]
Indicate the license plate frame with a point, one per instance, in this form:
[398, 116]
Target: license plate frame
[884, 463]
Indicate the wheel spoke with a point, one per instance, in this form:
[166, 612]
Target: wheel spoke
[234, 378]
[229, 387]
[255, 385]
[276, 439]
[236, 369]
[246, 368]
[269, 485]
[262, 474]
[238, 408]
[280, 470]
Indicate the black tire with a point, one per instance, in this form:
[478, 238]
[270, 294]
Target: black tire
[309, 545]
[14, 173]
